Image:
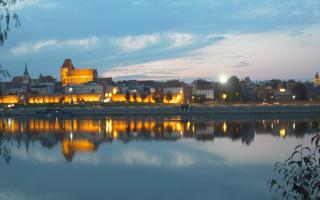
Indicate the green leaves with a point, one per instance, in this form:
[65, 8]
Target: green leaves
[300, 173]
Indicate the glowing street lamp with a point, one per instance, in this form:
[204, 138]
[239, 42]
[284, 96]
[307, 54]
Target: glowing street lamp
[224, 96]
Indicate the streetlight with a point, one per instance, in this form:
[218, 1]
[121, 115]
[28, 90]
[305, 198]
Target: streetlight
[224, 96]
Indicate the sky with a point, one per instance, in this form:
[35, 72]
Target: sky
[167, 39]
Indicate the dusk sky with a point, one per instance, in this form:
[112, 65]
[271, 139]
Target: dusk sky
[168, 39]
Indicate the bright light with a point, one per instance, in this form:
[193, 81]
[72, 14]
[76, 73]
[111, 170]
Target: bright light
[223, 79]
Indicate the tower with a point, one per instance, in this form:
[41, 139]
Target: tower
[316, 81]
[26, 76]
[65, 68]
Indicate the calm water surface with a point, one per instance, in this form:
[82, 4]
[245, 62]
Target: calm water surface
[143, 158]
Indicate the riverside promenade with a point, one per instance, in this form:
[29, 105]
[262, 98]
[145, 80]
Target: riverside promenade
[290, 110]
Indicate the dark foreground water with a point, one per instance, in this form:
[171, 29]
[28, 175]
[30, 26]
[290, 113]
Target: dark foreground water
[143, 158]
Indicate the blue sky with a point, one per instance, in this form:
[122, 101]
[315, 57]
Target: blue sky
[166, 39]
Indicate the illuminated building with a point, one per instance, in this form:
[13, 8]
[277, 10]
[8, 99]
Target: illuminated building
[87, 88]
[316, 81]
[72, 76]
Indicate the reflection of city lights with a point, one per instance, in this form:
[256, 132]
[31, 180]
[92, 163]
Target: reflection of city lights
[115, 135]
[294, 126]
[225, 127]
[188, 126]
[71, 136]
[9, 122]
[282, 132]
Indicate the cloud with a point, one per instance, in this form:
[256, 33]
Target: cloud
[33, 3]
[29, 48]
[255, 55]
[181, 39]
[243, 64]
[136, 43]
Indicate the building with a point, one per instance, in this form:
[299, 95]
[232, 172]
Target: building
[72, 76]
[316, 81]
[44, 85]
[176, 92]
[202, 91]
[88, 88]
[19, 85]
[282, 94]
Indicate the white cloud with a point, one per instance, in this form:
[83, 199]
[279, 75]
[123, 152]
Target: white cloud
[136, 43]
[181, 39]
[33, 3]
[137, 157]
[28, 48]
[259, 55]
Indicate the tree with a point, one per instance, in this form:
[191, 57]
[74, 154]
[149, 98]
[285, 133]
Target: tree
[300, 173]
[134, 96]
[234, 90]
[300, 92]
[3, 73]
[143, 96]
[127, 96]
[169, 96]
[6, 17]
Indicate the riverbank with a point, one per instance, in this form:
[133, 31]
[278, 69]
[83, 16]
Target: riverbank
[298, 110]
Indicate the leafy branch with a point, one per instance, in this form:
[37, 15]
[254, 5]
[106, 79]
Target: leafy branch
[6, 17]
[300, 173]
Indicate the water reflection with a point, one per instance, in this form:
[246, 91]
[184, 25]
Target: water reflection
[87, 134]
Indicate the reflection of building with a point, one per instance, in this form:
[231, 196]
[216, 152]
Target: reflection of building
[72, 76]
[85, 135]
[70, 147]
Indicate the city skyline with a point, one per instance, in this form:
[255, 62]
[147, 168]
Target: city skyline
[168, 40]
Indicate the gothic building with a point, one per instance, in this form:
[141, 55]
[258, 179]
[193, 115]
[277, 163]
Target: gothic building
[72, 76]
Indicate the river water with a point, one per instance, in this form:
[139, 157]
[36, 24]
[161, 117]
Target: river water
[144, 157]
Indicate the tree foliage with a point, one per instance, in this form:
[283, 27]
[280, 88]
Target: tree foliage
[300, 173]
[6, 18]
[169, 96]
[127, 96]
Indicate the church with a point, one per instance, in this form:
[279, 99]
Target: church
[316, 81]
[72, 76]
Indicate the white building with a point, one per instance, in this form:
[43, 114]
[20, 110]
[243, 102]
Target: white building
[90, 88]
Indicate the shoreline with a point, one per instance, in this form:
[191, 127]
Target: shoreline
[298, 110]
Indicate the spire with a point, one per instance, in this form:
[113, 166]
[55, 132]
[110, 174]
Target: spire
[317, 76]
[26, 73]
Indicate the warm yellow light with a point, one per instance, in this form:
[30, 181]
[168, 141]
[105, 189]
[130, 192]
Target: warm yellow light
[224, 96]
[114, 90]
[225, 127]
[282, 90]
[282, 132]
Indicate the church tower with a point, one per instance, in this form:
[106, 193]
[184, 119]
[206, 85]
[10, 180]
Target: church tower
[316, 81]
[26, 76]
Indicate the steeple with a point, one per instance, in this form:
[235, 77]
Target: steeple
[317, 76]
[26, 73]
[26, 77]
